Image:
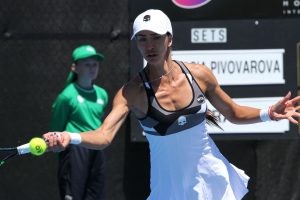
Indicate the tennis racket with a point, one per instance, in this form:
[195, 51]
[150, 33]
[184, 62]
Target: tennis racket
[10, 152]
[36, 146]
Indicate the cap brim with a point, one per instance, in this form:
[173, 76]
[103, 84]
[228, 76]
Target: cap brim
[148, 29]
[99, 56]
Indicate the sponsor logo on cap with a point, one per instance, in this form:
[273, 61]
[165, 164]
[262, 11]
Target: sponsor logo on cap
[146, 18]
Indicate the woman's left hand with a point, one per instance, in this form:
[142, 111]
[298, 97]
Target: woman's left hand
[286, 108]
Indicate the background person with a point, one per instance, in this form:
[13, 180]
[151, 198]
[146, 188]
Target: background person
[169, 99]
[80, 107]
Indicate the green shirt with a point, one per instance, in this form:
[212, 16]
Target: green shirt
[77, 110]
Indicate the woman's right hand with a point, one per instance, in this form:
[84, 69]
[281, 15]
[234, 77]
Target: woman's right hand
[57, 141]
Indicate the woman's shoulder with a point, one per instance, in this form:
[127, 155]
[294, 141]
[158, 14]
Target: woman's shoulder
[192, 66]
[132, 90]
[203, 75]
[198, 69]
[134, 94]
[133, 86]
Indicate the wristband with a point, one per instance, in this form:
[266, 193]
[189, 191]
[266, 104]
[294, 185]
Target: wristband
[264, 115]
[75, 138]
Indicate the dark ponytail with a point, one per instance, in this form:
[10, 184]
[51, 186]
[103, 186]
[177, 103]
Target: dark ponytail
[72, 77]
[212, 119]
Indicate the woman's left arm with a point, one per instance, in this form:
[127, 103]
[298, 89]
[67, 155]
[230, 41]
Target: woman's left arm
[285, 108]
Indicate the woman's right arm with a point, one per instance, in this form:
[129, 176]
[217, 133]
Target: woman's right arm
[99, 138]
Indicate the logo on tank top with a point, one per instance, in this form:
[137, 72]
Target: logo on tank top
[201, 99]
[181, 120]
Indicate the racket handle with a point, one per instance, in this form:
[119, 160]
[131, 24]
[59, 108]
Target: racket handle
[23, 149]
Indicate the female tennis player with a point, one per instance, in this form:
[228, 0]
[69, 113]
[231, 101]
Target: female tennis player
[169, 98]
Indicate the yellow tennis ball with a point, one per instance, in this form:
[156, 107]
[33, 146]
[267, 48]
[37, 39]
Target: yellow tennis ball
[37, 146]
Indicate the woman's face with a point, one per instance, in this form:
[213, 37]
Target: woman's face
[153, 47]
[87, 69]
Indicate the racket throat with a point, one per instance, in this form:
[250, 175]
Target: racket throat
[23, 149]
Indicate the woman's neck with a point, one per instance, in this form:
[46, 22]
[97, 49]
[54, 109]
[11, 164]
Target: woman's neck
[156, 72]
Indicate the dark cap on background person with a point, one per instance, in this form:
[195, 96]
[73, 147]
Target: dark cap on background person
[152, 20]
[80, 53]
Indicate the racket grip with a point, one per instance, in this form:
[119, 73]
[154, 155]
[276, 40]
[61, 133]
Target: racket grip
[23, 149]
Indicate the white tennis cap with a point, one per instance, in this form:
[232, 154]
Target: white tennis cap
[152, 20]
